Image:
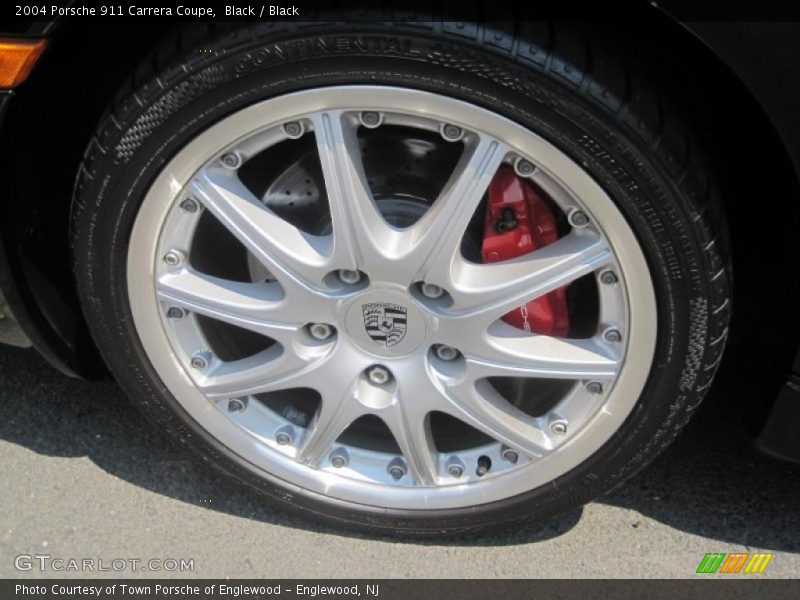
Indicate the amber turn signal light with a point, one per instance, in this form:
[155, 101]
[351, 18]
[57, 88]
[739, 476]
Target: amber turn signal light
[17, 57]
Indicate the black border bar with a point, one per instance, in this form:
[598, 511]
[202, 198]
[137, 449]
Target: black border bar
[709, 588]
[417, 10]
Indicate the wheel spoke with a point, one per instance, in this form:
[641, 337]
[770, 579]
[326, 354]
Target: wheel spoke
[511, 352]
[488, 291]
[436, 239]
[259, 307]
[269, 370]
[482, 407]
[339, 409]
[410, 427]
[295, 258]
[360, 233]
[335, 378]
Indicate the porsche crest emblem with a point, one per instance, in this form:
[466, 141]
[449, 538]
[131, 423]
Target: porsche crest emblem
[385, 323]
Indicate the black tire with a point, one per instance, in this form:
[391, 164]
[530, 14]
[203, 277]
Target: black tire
[552, 81]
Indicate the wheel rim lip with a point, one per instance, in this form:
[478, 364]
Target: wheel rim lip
[168, 185]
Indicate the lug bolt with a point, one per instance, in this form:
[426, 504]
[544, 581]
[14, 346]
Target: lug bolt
[294, 129]
[447, 353]
[431, 290]
[578, 218]
[455, 471]
[283, 438]
[523, 167]
[175, 313]
[397, 468]
[594, 387]
[199, 363]
[349, 276]
[608, 277]
[189, 205]
[558, 427]
[339, 460]
[320, 331]
[379, 375]
[451, 132]
[613, 336]
[173, 258]
[235, 405]
[370, 119]
[231, 160]
[455, 467]
[509, 455]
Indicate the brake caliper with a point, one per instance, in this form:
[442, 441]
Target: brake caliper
[519, 221]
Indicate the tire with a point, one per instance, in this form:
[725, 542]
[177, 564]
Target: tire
[574, 94]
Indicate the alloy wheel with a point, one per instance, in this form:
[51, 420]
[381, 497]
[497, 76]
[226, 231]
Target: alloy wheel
[334, 326]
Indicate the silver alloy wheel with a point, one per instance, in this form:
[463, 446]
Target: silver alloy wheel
[394, 262]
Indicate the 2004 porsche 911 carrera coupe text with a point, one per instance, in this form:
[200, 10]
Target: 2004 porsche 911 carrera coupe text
[419, 277]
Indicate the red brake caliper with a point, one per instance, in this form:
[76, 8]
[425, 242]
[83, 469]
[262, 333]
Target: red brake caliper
[518, 221]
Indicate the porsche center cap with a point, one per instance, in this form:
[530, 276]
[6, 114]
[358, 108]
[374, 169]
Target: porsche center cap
[385, 323]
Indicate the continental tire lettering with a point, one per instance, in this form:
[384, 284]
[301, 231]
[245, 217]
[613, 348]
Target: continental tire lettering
[310, 47]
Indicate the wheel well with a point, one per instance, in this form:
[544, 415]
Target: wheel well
[760, 191]
[46, 129]
[52, 118]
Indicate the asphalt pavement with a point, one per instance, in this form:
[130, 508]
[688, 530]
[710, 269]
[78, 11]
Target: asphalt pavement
[83, 476]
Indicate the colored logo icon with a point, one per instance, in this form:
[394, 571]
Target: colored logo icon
[734, 562]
